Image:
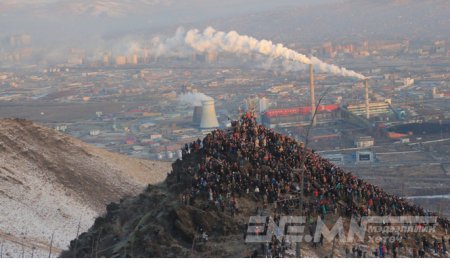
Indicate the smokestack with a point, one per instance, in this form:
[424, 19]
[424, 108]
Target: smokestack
[209, 118]
[366, 85]
[313, 97]
[197, 117]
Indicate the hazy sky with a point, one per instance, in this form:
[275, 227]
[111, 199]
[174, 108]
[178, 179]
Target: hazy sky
[89, 23]
[77, 21]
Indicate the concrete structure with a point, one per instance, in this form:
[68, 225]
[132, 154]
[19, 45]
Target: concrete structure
[197, 116]
[121, 60]
[155, 136]
[209, 118]
[61, 128]
[75, 60]
[375, 108]
[250, 104]
[159, 156]
[364, 141]
[364, 157]
[263, 105]
[337, 159]
[435, 94]
[106, 60]
[169, 154]
[134, 59]
[211, 57]
[94, 132]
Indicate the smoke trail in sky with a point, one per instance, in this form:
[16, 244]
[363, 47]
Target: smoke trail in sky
[194, 99]
[185, 43]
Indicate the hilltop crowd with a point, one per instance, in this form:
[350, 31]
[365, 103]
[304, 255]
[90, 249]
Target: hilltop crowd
[249, 159]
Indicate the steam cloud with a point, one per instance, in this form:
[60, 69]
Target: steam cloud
[193, 41]
[194, 99]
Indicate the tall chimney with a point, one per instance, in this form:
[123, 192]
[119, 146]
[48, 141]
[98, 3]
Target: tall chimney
[366, 85]
[209, 118]
[313, 97]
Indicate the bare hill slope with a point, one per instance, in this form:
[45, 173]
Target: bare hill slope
[50, 182]
[203, 207]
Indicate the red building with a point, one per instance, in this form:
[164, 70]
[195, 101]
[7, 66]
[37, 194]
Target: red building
[297, 116]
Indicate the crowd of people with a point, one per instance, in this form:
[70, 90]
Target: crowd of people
[251, 160]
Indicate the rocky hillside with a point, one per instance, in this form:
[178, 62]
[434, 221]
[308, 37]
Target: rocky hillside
[203, 207]
[51, 184]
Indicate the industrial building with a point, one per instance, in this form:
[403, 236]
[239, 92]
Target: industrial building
[300, 116]
[364, 141]
[375, 109]
[121, 60]
[364, 157]
[337, 159]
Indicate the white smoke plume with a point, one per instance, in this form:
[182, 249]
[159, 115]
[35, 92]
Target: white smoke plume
[193, 41]
[194, 99]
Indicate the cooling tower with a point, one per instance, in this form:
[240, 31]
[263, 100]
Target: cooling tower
[209, 118]
[263, 105]
[313, 97]
[197, 116]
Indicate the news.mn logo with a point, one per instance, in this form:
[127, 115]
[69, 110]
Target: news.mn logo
[262, 229]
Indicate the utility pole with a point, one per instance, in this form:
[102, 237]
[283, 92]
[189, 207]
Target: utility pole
[1, 250]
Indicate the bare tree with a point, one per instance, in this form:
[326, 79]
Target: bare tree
[76, 238]
[51, 245]
[92, 247]
[193, 243]
[98, 240]
[23, 249]
[303, 160]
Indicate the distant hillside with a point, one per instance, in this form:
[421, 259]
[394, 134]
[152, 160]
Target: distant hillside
[50, 182]
[347, 20]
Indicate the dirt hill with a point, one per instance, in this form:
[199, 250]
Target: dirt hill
[233, 174]
[50, 183]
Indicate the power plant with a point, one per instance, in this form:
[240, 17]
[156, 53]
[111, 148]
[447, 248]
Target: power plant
[209, 118]
[327, 113]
